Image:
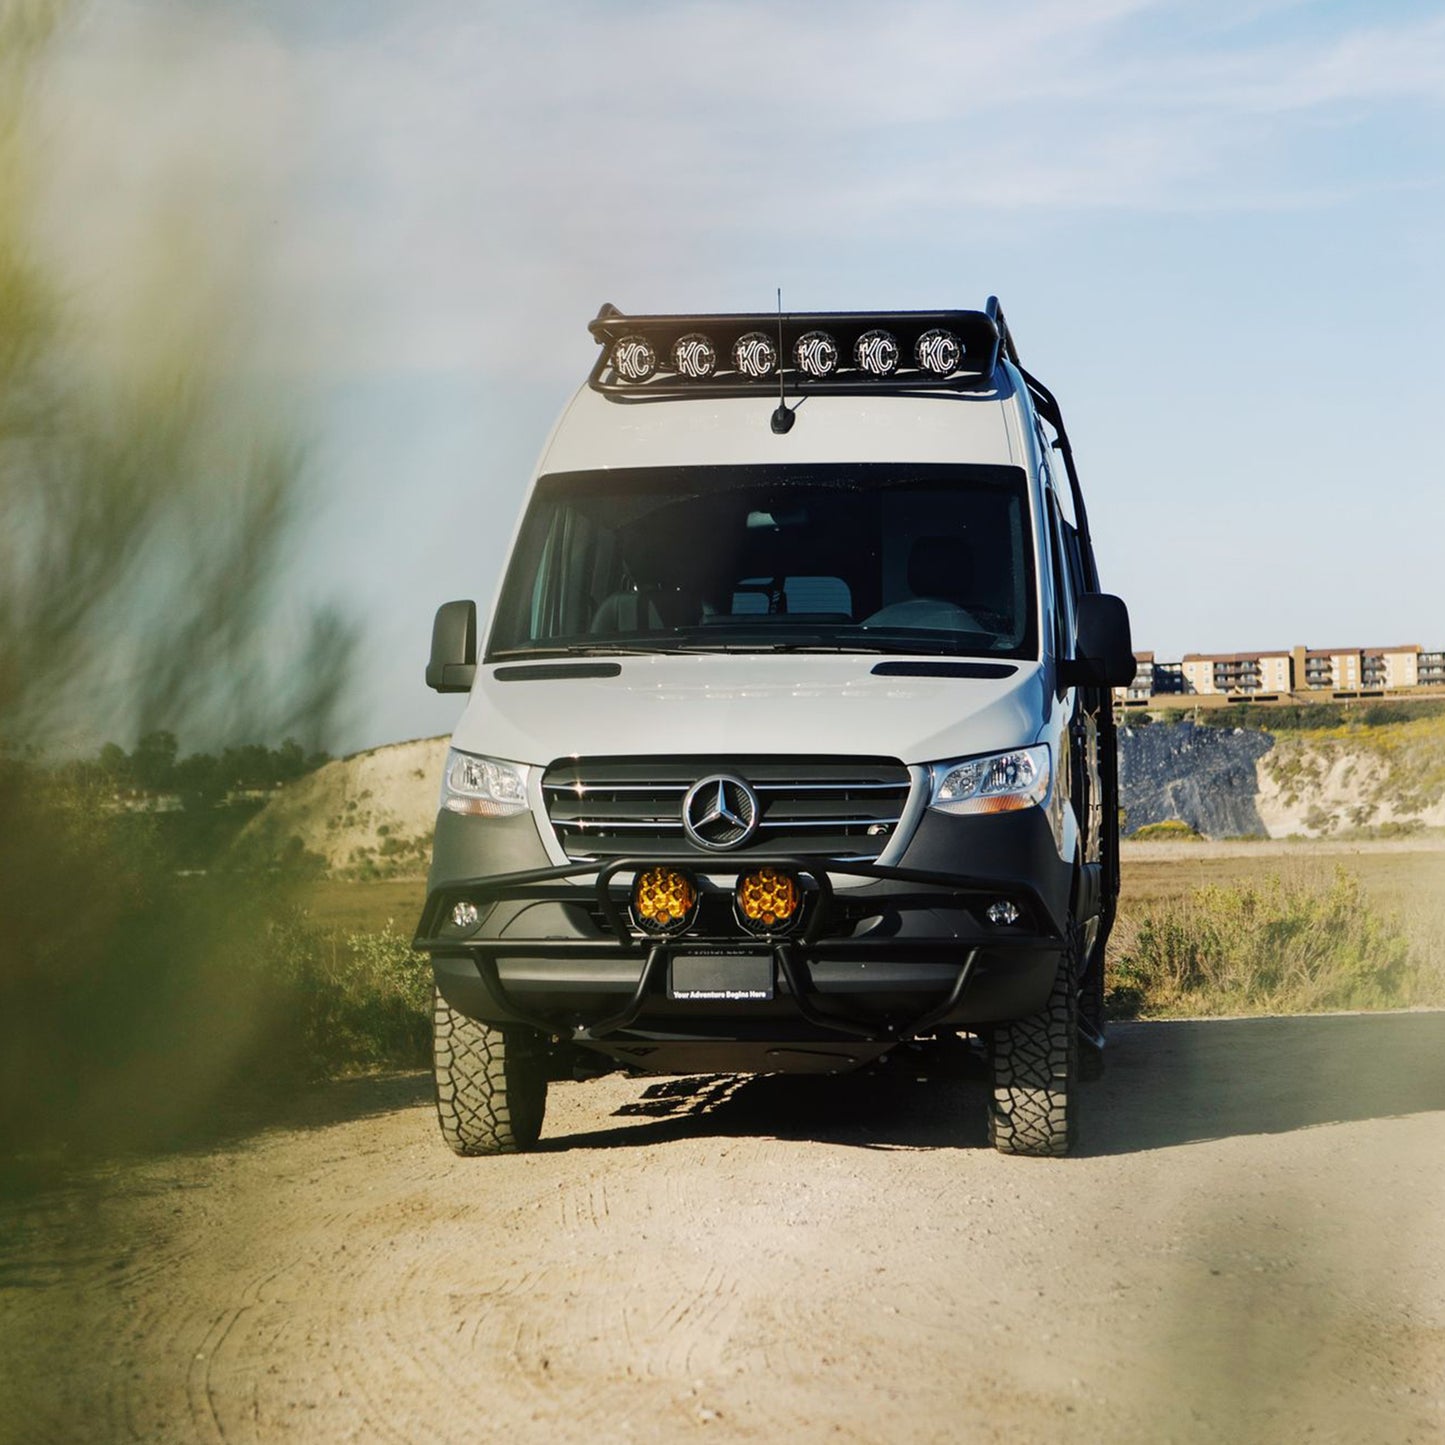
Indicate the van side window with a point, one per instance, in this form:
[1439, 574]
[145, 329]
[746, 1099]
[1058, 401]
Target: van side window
[1065, 589]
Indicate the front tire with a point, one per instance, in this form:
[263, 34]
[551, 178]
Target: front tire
[1034, 1062]
[491, 1083]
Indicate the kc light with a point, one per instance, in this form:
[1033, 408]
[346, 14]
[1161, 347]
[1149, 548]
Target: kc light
[633, 358]
[694, 357]
[767, 900]
[664, 900]
[876, 352]
[998, 783]
[483, 787]
[816, 354]
[755, 356]
[938, 351]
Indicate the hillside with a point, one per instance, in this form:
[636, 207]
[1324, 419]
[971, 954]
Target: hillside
[371, 815]
[367, 816]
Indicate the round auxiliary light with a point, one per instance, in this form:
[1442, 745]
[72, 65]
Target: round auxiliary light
[664, 900]
[877, 353]
[694, 357]
[816, 354]
[755, 356]
[767, 900]
[938, 351]
[465, 915]
[1003, 911]
[633, 358]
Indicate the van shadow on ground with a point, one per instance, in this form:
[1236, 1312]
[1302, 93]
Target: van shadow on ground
[1167, 1084]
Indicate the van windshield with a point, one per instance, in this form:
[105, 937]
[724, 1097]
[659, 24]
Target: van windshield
[850, 558]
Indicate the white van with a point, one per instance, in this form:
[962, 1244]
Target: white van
[790, 738]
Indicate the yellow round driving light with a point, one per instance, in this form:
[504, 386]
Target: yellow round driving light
[664, 900]
[767, 900]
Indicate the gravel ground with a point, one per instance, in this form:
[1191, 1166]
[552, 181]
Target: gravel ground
[1248, 1246]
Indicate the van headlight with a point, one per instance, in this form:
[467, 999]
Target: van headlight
[483, 787]
[997, 783]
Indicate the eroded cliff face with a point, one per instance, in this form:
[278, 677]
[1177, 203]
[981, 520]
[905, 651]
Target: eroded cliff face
[1234, 782]
[1205, 777]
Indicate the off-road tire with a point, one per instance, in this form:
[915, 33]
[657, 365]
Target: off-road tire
[1034, 1062]
[491, 1083]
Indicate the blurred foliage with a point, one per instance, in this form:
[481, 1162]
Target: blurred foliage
[148, 504]
[1269, 947]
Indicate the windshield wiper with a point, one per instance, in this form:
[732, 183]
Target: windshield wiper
[711, 646]
[531, 654]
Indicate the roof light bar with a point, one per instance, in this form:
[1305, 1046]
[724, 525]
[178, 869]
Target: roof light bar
[646, 357]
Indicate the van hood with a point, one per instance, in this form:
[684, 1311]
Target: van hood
[781, 703]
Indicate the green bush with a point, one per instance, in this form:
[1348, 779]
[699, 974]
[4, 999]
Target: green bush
[349, 1002]
[1269, 947]
[1171, 830]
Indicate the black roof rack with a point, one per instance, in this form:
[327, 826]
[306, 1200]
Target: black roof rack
[666, 357]
[1049, 409]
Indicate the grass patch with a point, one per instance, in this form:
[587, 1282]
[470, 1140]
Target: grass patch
[1170, 830]
[1267, 946]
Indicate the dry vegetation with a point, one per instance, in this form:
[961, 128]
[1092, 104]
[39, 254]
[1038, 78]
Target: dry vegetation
[1297, 933]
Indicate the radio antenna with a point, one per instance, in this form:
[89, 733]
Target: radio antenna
[783, 417]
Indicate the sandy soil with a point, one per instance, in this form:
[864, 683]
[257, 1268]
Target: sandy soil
[1248, 1247]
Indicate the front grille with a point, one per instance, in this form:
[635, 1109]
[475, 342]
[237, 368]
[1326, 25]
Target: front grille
[828, 807]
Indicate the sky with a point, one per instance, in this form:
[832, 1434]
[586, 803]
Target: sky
[1216, 228]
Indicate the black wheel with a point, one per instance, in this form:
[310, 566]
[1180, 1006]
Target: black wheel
[1034, 1063]
[491, 1083]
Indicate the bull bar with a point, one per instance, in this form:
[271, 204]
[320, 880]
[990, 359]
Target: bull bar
[791, 951]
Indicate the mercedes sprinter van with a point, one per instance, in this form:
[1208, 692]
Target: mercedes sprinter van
[789, 739]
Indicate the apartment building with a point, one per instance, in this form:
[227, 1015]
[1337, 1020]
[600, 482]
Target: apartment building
[1352, 669]
[1239, 673]
[1326, 671]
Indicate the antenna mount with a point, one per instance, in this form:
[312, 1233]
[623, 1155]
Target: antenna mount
[783, 417]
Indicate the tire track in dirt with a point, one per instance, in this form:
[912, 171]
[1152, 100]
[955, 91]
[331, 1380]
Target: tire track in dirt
[1248, 1246]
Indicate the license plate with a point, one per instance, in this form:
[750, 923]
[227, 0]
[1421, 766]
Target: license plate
[740, 977]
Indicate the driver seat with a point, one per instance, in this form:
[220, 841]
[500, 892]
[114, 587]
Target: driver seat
[940, 576]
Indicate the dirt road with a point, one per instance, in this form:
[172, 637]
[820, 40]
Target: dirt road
[1248, 1247]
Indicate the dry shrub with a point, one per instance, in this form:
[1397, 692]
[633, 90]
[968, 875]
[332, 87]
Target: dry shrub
[1267, 947]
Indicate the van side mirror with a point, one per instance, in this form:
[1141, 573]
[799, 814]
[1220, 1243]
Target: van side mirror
[1103, 650]
[453, 665]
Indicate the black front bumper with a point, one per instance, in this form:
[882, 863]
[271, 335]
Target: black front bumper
[908, 952]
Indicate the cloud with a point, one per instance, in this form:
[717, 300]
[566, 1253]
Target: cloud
[461, 178]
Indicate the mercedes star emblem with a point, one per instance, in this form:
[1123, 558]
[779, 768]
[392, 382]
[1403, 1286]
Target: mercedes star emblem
[720, 812]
